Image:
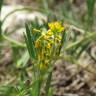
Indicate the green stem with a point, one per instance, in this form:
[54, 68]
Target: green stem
[1, 3]
[14, 41]
[89, 37]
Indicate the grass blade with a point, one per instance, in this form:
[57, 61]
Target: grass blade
[47, 87]
[1, 3]
[23, 60]
[90, 11]
[29, 43]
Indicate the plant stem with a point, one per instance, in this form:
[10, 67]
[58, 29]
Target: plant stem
[89, 37]
[14, 41]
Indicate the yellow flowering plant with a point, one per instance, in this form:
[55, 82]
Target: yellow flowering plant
[56, 27]
[43, 47]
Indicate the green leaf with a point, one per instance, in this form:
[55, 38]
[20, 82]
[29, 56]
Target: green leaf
[83, 48]
[89, 37]
[63, 41]
[90, 11]
[1, 3]
[35, 87]
[23, 60]
[47, 87]
[29, 42]
[0, 29]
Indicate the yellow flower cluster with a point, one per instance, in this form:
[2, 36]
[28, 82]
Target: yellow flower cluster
[46, 41]
[56, 26]
[48, 35]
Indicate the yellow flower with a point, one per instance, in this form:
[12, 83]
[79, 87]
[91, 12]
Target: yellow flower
[43, 66]
[59, 37]
[50, 33]
[56, 26]
[46, 37]
[57, 40]
[48, 46]
[37, 44]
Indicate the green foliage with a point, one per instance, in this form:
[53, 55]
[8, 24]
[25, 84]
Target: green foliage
[43, 46]
[90, 12]
[48, 83]
[71, 46]
[1, 4]
[29, 42]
